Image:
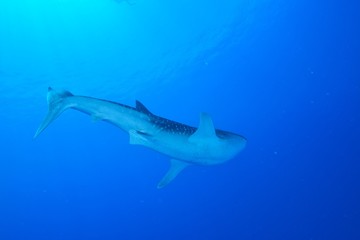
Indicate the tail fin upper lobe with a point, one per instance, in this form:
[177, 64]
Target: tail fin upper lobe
[56, 105]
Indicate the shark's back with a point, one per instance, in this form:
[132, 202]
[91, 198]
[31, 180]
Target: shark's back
[172, 126]
[180, 128]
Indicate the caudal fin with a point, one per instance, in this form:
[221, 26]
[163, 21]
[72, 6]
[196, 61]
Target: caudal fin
[56, 105]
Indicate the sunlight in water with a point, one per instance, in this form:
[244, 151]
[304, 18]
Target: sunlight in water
[111, 46]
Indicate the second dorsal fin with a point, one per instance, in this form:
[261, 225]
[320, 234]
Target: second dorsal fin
[141, 108]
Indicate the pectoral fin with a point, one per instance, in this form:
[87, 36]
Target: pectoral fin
[175, 168]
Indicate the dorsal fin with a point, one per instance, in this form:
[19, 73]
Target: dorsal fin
[206, 128]
[141, 108]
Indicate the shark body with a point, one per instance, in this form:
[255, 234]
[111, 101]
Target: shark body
[185, 145]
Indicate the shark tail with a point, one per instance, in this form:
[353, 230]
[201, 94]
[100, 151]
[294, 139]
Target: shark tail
[57, 104]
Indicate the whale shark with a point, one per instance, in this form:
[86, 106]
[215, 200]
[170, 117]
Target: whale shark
[185, 145]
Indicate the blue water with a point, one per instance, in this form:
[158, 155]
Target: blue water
[285, 74]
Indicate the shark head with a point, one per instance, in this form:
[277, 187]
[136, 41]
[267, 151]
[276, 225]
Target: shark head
[207, 146]
[231, 143]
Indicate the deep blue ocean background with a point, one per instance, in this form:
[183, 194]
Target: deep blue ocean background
[285, 74]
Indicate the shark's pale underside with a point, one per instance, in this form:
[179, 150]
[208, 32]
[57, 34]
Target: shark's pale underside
[185, 145]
